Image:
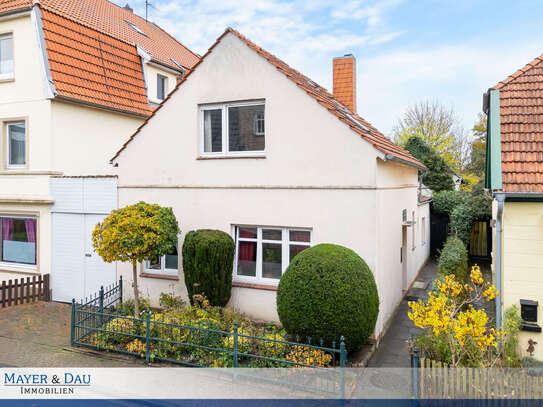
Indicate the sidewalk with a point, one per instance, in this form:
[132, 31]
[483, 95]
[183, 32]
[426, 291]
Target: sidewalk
[392, 351]
[38, 335]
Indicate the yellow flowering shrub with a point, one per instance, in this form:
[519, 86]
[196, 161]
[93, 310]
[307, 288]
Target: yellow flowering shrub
[309, 356]
[136, 346]
[454, 330]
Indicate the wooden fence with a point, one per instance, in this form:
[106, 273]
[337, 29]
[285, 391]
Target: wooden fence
[438, 380]
[19, 291]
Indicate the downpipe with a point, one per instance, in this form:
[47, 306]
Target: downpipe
[500, 198]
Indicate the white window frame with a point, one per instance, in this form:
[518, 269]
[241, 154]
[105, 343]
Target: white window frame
[8, 147]
[413, 231]
[8, 264]
[165, 86]
[224, 131]
[10, 75]
[163, 270]
[285, 252]
[256, 123]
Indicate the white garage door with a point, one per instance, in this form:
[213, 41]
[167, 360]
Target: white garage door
[80, 203]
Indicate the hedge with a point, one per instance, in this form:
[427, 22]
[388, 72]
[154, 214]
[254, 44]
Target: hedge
[208, 258]
[454, 259]
[461, 222]
[328, 291]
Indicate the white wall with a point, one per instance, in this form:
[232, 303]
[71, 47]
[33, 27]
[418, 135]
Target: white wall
[83, 138]
[316, 173]
[151, 72]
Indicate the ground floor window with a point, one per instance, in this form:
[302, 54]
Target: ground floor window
[167, 264]
[18, 240]
[264, 253]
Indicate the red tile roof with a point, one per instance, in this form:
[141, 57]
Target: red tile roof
[321, 95]
[92, 51]
[8, 5]
[111, 19]
[521, 125]
[89, 66]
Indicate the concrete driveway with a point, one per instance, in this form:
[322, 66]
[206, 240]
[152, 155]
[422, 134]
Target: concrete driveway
[38, 335]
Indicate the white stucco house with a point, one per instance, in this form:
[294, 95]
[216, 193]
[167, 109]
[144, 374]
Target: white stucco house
[248, 145]
[76, 76]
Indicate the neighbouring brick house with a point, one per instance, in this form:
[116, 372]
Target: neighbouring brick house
[514, 173]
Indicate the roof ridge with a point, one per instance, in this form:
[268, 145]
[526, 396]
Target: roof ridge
[530, 65]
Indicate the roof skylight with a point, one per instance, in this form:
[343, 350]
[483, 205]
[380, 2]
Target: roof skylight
[135, 27]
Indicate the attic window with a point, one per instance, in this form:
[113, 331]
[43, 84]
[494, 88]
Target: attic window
[135, 27]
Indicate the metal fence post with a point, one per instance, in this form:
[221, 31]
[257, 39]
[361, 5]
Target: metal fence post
[101, 307]
[415, 372]
[72, 324]
[120, 289]
[342, 361]
[147, 336]
[235, 343]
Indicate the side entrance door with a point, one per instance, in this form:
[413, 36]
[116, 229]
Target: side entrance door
[80, 203]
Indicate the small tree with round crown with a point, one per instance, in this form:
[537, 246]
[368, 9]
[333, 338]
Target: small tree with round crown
[134, 234]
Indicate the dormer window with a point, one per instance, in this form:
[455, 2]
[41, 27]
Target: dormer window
[161, 86]
[135, 27]
[6, 56]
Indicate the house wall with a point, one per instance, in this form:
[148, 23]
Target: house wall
[397, 190]
[82, 138]
[26, 191]
[523, 262]
[316, 173]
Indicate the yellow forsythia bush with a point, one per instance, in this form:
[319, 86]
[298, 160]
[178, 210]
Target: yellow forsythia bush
[451, 322]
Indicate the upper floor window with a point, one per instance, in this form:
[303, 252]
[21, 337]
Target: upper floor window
[161, 86]
[16, 144]
[6, 56]
[135, 27]
[264, 253]
[232, 129]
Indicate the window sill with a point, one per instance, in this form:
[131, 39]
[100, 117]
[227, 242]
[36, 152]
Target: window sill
[7, 79]
[160, 276]
[13, 268]
[230, 157]
[531, 327]
[254, 286]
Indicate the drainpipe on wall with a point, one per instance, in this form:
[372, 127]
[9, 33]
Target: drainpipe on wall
[500, 197]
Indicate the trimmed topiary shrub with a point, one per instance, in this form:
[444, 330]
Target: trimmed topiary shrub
[454, 259]
[208, 258]
[328, 291]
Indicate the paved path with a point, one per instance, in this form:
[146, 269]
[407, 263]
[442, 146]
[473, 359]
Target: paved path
[393, 351]
[38, 335]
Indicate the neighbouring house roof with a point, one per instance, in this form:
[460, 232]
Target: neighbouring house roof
[320, 94]
[92, 51]
[89, 66]
[521, 128]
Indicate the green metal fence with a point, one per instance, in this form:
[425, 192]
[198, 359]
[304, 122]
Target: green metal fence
[96, 323]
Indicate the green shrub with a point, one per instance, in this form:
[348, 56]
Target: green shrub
[208, 258]
[127, 307]
[438, 177]
[512, 323]
[170, 301]
[444, 202]
[326, 292]
[461, 222]
[481, 206]
[454, 259]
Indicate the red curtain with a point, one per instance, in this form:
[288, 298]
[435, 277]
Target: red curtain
[247, 251]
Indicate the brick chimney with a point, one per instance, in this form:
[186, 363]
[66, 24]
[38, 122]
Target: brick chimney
[344, 71]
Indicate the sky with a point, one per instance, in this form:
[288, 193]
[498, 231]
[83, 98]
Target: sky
[406, 50]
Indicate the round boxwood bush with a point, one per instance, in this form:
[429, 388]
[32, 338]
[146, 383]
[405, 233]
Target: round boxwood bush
[208, 258]
[327, 292]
